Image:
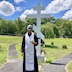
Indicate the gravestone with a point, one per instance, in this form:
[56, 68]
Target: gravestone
[37, 28]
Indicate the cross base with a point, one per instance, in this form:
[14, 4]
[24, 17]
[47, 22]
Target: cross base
[41, 57]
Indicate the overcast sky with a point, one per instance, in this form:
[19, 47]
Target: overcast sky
[12, 9]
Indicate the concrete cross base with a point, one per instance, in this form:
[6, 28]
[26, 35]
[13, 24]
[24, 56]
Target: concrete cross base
[40, 57]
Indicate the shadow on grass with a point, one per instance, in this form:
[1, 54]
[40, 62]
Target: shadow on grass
[57, 63]
[51, 46]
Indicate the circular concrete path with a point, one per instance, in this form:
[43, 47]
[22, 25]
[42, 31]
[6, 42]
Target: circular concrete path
[58, 65]
[14, 64]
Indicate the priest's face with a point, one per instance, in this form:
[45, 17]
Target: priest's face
[29, 31]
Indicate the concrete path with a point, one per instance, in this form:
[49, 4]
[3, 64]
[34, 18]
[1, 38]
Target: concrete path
[58, 65]
[13, 64]
[12, 52]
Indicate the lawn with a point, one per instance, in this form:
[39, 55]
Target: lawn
[55, 51]
[69, 67]
[3, 53]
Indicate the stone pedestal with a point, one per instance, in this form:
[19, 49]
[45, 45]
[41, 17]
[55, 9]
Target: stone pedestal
[41, 58]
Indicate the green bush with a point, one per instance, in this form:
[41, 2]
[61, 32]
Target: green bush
[64, 46]
[48, 31]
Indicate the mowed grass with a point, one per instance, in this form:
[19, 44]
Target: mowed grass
[5, 41]
[69, 67]
[3, 53]
[10, 39]
[55, 51]
[18, 48]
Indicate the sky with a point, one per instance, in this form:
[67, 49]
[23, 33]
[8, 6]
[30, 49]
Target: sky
[12, 9]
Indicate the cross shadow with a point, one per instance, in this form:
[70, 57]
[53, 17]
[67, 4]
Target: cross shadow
[57, 63]
[51, 46]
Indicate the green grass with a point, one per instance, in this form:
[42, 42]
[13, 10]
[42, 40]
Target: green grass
[40, 71]
[55, 51]
[5, 41]
[18, 48]
[3, 53]
[10, 39]
[69, 67]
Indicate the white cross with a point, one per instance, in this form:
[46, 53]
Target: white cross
[37, 29]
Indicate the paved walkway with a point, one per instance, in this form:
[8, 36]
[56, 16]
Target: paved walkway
[12, 52]
[58, 65]
[13, 64]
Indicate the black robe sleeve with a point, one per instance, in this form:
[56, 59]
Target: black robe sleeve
[36, 40]
[23, 45]
[35, 57]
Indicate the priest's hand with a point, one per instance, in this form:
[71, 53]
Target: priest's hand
[34, 43]
[22, 53]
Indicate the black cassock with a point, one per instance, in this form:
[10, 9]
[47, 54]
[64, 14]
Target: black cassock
[35, 57]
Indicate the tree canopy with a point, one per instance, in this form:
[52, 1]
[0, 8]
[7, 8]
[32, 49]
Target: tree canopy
[50, 27]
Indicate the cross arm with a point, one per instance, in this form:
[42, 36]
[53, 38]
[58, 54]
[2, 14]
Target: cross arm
[45, 15]
[40, 8]
[32, 16]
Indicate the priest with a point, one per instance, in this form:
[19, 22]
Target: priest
[30, 40]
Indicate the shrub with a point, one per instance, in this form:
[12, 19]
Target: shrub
[48, 32]
[52, 43]
[48, 61]
[64, 46]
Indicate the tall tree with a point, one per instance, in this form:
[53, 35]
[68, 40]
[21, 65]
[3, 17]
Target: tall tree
[30, 21]
[20, 23]
[68, 28]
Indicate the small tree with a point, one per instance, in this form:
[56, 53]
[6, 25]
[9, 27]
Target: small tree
[47, 31]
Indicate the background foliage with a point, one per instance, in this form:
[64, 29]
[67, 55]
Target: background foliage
[50, 27]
